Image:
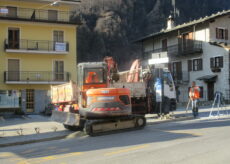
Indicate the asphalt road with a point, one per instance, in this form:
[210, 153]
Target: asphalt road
[192, 141]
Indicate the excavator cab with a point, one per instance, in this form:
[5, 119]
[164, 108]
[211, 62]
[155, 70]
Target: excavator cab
[90, 76]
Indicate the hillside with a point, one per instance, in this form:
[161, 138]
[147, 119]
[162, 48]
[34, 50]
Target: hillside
[109, 26]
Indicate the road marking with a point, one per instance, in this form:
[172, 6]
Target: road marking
[48, 158]
[184, 132]
[127, 150]
[23, 162]
[6, 154]
[180, 132]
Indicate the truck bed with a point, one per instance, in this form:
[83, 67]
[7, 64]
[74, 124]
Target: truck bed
[138, 89]
[64, 93]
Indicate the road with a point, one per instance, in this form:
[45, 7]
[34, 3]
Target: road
[191, 141]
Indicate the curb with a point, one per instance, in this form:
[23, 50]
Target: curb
[32, 141]
[182, 118]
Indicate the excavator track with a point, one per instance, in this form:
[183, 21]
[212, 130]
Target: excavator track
[103, 127]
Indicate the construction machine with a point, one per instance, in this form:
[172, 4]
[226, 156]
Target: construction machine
[91, 104]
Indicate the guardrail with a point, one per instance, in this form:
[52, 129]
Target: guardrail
[36, 76]
[37, 45]
[42, 15]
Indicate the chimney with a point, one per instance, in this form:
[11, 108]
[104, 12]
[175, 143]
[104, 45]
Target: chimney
[170, 22]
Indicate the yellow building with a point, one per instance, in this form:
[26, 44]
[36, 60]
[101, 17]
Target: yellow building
[37, 50]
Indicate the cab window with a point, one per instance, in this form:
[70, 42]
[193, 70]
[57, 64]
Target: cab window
[94, 76]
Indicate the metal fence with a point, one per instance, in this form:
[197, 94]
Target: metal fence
[192, 46]
[37, 14]
[37, 45]
[38, 76]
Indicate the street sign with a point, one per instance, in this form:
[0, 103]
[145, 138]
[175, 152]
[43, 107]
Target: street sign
[4, 11]
[158, 88]
[158, 61]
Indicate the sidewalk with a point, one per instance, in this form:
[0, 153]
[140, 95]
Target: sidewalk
[17, 130]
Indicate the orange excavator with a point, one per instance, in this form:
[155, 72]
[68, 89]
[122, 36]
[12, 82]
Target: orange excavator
[91, 105]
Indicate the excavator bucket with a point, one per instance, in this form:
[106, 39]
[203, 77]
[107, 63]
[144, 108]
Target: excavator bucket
[66, 118]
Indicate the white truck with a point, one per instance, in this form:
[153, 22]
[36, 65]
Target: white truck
[146, 97]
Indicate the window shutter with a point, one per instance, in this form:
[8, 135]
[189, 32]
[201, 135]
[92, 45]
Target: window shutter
[193, 65]
[226, 34]
[200, 65]
[189, 65]
[221, 62]
[211, 62]
[217, 33]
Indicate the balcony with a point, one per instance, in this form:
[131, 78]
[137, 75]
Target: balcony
[38, 15]
[181, 77]
[36, 46]
[179, 50]
[35, 77]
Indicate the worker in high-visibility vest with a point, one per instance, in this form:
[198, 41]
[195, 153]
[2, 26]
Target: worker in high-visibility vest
[194, 95]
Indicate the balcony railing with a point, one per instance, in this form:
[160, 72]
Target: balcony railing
[191, 47]
[35, 77]
[39, 15]
[36, 46]
[181, 77]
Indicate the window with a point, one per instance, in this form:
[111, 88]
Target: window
[164, 45]
[216, 62]
[177, 70]
[13, 38]
[12, 11]
[197, 64]
[94, 76]
[13, 70]
[221, 33]
[58, 36]
[186, 40]
[52, 15]
[59, 70]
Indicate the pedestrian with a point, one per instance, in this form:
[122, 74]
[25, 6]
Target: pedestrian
[194, 95]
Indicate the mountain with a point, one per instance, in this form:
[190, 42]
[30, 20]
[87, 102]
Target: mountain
[110, 26]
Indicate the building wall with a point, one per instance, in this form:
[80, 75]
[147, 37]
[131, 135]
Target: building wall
[204, 33]
[221, 22]
[36, 62]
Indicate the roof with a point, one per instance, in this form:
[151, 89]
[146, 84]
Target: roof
[208, 78]
[201, 20]
[71, 2]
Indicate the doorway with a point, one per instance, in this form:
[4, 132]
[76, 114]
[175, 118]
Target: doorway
[30, 100]
[210, 86]
[13, 38]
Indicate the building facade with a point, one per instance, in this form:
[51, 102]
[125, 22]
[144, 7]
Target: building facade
[37, 50]
[198, 51]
